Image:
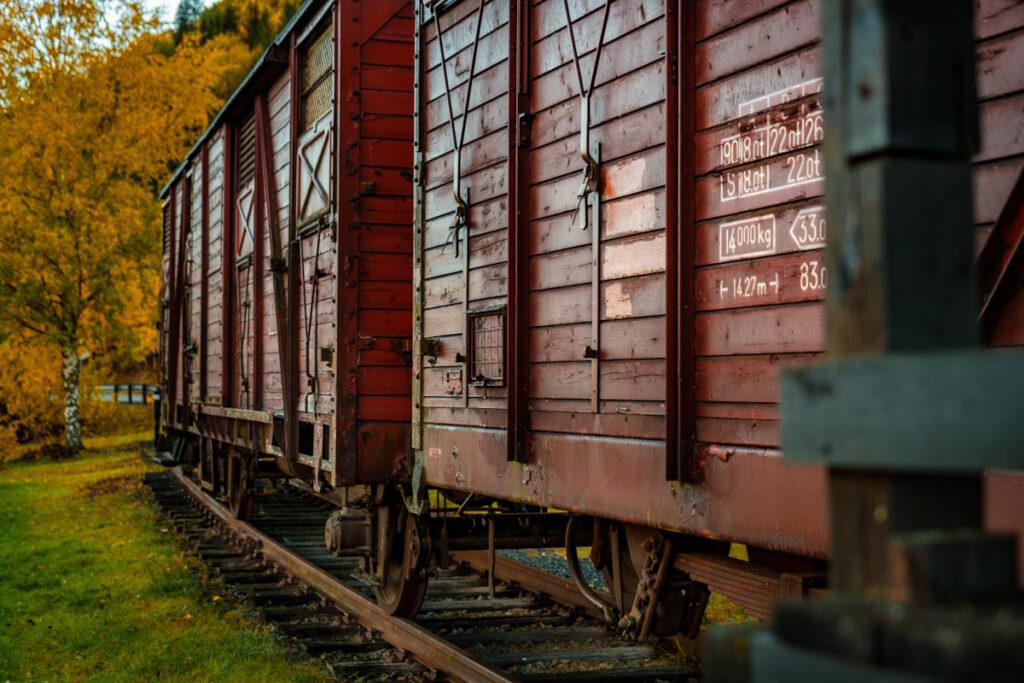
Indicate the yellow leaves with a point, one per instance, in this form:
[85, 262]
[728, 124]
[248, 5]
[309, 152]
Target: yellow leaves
[90, 127]
[29, 377]
[42, 39]
[226, 59]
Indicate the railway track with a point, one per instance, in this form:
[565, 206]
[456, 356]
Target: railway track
[323, 604]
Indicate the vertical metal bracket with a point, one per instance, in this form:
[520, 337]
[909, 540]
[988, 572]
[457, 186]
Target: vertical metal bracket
[461, 218]
[589, 195]
[416, 503]
[590, 205]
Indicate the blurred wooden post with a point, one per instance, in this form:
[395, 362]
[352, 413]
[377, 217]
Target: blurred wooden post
[900, 244]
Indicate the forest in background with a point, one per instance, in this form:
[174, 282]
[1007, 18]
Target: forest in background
[99, 102]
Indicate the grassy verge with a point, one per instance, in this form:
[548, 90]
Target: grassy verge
[93, 586]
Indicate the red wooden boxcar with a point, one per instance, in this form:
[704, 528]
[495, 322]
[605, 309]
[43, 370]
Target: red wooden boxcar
[287, 258]
[619, 243]
[601, 224]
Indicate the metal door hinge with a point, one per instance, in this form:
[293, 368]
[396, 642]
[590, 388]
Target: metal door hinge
[524, 129]
[431, 348]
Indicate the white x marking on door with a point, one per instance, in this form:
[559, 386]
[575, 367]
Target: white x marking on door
[313, 170]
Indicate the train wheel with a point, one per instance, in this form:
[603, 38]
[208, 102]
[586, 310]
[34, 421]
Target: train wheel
[241, 484]
[403, 545]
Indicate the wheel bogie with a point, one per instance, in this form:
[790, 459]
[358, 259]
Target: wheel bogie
[645, 594]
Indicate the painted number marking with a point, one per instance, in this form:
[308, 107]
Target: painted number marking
[803, 168]
[787, 280]
[809, 229]
[746, 238]
[800, 168]
[773, 137]
[813, 276]
[794, 92]
[749, 287]
[768, 131]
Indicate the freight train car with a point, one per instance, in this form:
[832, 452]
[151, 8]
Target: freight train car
[619, 243]
[544, 259]
[287, 263]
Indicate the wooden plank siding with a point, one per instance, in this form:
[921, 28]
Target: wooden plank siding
[757, 233]
[999, 26]
[758, 237]
[178, 316]
[213, 336]
[243, 210]
[760, 275]
[348, 254]
[194, 270]
[759, 173]
[166, 294]
[279, 115]
[371, 362]
[628, 121]
[385, 228]
[482, 253]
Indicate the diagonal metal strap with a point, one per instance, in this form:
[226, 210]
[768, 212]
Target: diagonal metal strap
[458, 135]
[589, 187]
[246, 216]
[585, 92]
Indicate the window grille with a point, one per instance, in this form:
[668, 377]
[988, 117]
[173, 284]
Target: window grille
[246, 146]
[487, 348]
[167, 222]
[317, 84]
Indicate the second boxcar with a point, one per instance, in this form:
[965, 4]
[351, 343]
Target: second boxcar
[287, 264]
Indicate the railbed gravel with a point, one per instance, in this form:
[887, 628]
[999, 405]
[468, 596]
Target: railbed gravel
[553, 562]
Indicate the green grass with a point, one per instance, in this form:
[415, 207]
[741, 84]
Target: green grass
[94, 586]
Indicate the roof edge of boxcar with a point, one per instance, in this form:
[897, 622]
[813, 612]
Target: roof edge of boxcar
[243, 88]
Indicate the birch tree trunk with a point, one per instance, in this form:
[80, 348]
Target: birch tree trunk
[72, 424]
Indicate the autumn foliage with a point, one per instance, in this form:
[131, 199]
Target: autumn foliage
[97, 105]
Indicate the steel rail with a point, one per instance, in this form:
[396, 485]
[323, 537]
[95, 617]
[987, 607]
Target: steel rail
[431, 650]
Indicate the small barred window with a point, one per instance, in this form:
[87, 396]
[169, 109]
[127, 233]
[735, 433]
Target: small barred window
[487, 348]
[246, 146]
[317, 83]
